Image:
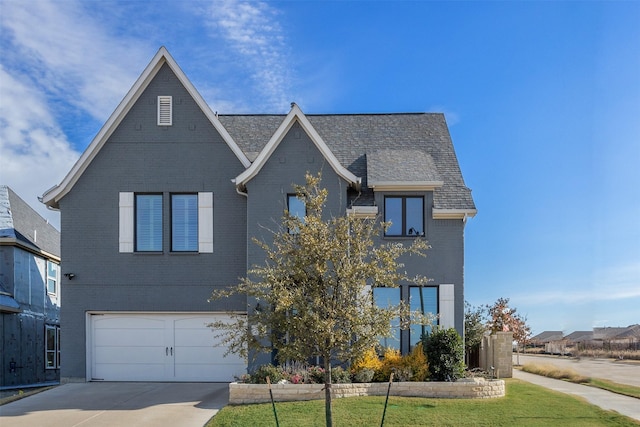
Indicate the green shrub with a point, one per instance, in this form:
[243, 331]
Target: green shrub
[444, 350]
[340, 376]
[259, 376]
[364, 375]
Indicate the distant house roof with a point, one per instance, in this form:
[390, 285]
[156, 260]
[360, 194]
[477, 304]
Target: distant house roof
[548, 336]
[21, 225]
[607, 332]
[580, 336]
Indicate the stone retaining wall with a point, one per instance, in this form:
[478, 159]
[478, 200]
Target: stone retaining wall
[468, 388]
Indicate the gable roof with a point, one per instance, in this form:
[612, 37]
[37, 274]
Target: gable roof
[295, 115]
[355, 138]
[52, 196]
[22, 226]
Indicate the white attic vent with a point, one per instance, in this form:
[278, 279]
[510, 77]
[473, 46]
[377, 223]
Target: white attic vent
[165, 111]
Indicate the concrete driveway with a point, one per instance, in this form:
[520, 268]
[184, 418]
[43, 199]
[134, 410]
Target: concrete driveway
[118, 404]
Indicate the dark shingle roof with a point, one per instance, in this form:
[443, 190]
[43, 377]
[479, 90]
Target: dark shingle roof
[580, 336]
[548, 336]
[353, 137]
[21, 222]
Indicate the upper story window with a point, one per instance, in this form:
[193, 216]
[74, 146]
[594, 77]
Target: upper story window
[148, 211]
[184, 222]
[297, 209]
[141, 222]
[165, 111]
[406, 214]
[53, 271]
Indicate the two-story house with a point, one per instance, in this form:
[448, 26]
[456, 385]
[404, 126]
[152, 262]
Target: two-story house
[161, 208]
[29, 295]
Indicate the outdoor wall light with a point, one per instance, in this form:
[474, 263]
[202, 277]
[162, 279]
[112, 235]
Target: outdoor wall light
[69, 276]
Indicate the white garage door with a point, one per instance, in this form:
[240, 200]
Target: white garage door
[159, 347]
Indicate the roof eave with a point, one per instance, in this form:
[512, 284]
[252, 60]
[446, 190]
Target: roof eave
[453, 213]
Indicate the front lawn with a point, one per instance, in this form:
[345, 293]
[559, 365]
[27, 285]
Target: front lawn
[524, 405]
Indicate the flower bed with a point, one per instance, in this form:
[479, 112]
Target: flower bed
[468, 388]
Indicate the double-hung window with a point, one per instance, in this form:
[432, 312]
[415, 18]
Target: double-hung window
[52, 346]
[297, 209]
[52, 277]
[184, 222]
[148, 211]
[406, 215]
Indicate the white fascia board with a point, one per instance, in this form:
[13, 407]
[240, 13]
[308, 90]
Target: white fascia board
[295, 114]
[405, 185]
[453, 213]
[52, 196]
[363, 211]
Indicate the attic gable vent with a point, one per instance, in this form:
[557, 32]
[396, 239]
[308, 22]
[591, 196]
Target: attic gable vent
[165, 111]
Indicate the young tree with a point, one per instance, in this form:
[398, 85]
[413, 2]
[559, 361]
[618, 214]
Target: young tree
[315, 289]
[474, 327]
[504, 318]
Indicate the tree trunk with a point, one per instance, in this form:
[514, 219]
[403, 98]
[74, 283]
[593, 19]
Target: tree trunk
[328, 410]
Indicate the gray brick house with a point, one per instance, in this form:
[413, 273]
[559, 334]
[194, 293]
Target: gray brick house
[161, 208]
[29, 295]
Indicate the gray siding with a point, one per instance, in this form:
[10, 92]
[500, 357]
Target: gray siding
[140, 156]
[267, 192]
[444, 263]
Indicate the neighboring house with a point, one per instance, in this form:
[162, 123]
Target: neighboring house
[29, 295]
[617, 338]
[579, 340]
[162, 207]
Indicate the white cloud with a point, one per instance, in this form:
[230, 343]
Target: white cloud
[68, 53]
[258, 41]
[35, 153]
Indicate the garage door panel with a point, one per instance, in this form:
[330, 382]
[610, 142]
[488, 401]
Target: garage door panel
[130, 355]
[130, 337]
[128, 322]
[164, 347]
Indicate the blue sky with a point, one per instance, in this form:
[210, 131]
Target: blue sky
[542, 99]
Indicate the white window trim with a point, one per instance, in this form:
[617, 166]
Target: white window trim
[205, 222]
[165, 110]
[126, 222]
[56, 278]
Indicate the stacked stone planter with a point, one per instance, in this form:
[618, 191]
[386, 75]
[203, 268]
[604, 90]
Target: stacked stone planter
[468, 388]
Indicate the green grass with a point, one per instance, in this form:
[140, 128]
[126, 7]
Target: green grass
[627, 390]
[524, 405]
[571, 375]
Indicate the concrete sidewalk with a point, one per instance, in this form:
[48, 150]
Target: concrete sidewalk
[624, 405]
[118, 404]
